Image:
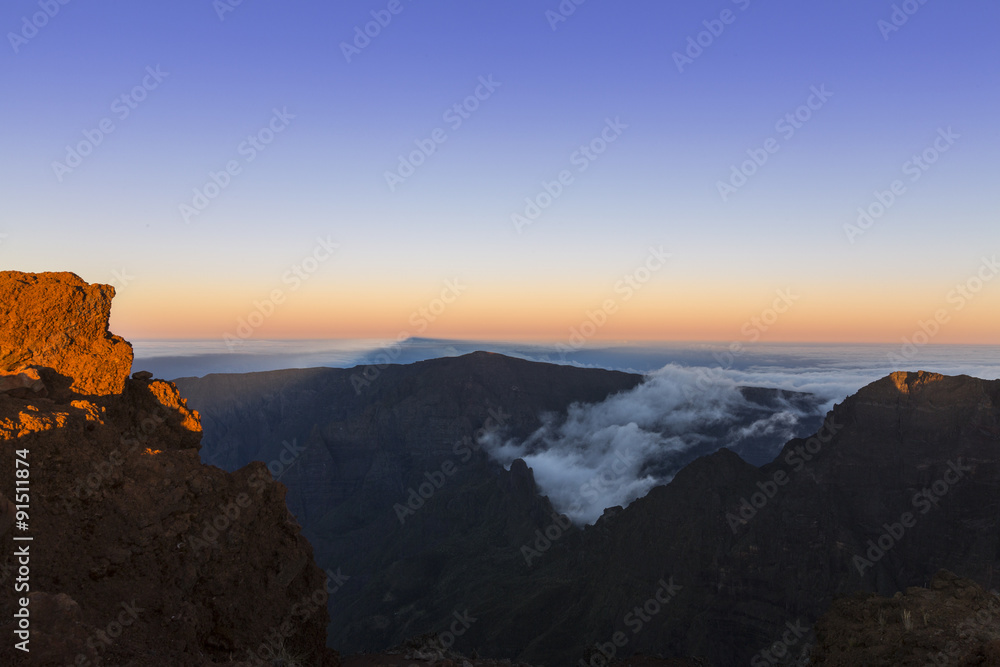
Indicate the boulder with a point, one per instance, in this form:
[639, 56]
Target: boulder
[58, 321]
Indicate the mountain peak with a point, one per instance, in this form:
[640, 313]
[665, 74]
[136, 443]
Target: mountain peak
[909, 382]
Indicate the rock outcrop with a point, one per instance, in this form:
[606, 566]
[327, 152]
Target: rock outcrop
[58, 321]
[952, 621]
[140, 554]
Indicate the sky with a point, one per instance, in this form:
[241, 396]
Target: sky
[643, 171]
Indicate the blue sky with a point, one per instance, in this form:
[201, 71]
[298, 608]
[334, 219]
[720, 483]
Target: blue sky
[656, 184]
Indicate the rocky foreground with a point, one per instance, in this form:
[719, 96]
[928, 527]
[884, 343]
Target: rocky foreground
[951, 622]
[139, 554]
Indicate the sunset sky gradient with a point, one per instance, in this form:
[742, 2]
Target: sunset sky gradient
[117, 217]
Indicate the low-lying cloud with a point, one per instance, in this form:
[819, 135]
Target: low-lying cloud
[610, 453]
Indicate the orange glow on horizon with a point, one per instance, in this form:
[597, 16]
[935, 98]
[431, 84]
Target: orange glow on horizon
[674, 313]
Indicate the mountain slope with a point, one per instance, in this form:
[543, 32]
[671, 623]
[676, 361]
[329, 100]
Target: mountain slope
[354, 461]
[731, 556]
[910, 460]
[390, 484]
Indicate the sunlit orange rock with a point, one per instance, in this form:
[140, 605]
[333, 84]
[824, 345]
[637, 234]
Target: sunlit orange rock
[58, 321]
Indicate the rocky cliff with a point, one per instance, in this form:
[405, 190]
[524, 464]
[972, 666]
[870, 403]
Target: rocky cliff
[117, 545]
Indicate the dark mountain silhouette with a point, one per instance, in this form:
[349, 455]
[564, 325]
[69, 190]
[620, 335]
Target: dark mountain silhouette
[908, 464]
[900, 480]
[354, 455]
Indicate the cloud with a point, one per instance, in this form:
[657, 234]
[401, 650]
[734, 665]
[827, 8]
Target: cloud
[610, 453]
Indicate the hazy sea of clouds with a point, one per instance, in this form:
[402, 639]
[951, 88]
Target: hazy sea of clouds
[610, 453]
[833, 371]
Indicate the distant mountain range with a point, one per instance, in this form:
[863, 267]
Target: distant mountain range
[389, 485]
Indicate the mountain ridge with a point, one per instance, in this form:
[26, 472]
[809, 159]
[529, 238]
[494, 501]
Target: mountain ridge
[752, 548]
